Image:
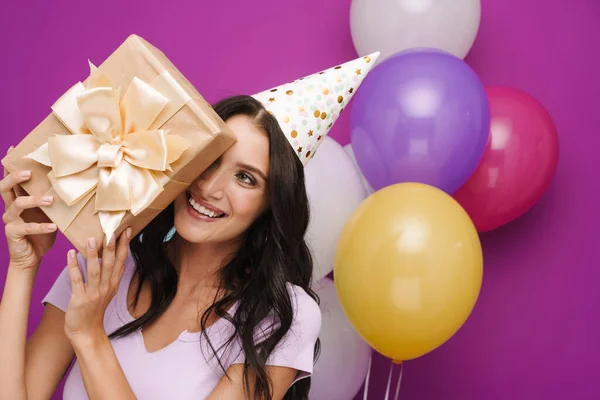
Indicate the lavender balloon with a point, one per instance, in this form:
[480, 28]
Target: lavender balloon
[420, 116]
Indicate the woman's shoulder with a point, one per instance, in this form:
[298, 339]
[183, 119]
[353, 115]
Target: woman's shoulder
[306, 309]
[296, 348]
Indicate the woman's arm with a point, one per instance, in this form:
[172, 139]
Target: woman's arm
[102, 374]
[232, 388]
[32, 369]
[29, 235]
[14, 314]
[100, 369]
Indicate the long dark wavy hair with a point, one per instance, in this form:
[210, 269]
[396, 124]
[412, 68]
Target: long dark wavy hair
[272, 254]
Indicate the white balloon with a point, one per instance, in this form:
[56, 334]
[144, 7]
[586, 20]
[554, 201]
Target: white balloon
[335, 190]
[350, 151]
[390, 26]
[344, 360]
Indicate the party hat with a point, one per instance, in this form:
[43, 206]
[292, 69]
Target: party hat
[307, 108]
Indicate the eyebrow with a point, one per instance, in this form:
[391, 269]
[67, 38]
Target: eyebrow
[253, 169]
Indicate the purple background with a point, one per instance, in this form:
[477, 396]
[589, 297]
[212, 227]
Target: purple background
[534, 332]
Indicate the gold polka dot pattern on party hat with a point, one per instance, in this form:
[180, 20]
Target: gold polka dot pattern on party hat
[307, 108]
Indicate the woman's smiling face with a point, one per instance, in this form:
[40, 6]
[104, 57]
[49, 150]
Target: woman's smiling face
[231, 194]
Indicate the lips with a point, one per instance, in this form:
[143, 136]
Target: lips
[204, 208]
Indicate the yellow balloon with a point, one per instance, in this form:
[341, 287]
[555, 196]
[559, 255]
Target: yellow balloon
[408, 269]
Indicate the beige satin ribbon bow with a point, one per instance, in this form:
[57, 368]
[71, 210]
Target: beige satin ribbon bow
[116, 150]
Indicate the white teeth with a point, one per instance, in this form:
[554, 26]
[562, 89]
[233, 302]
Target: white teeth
[203, 210]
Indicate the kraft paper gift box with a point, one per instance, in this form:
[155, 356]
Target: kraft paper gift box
[121, 146]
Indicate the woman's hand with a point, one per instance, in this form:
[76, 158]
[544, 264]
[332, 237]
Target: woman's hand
[29, 232]
[84, 319]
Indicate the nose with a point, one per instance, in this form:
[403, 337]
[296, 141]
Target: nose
[212, 183]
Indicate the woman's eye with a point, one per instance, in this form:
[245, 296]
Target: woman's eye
[245, 178]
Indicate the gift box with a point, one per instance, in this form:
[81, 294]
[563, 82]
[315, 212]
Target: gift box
[121, 146]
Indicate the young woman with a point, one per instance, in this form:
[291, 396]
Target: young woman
[220, 309]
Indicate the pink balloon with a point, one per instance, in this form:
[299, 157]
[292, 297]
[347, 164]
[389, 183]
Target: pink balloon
[518, 163]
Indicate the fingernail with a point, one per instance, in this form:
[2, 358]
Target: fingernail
[71, 253]
[112, 240]
[51, 227]
[25, 174]
[47, 199]
[128, 233]
[92, 243]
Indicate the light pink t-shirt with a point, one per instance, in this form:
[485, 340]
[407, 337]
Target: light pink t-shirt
[186, 368]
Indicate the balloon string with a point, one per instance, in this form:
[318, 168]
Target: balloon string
[399, 380]
[387, 391]
[366, 391]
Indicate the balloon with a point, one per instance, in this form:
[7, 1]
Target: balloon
[368, 189]
[420, 116]
[391, 26]
[334, 190]
[518, 163]
[408, 269]
[344, 360]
